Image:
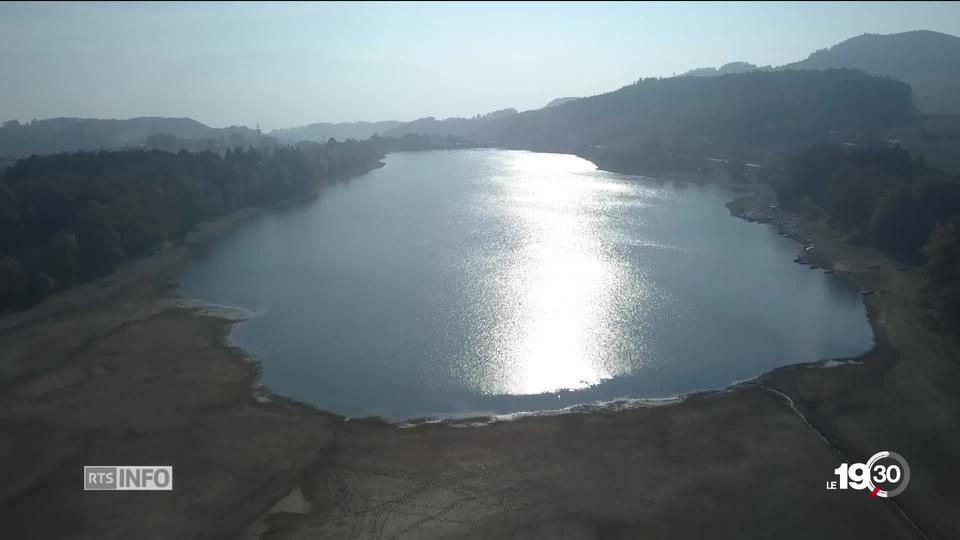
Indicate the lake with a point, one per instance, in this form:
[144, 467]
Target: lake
[450, 283]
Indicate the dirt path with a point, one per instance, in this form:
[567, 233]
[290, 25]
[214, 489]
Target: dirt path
[904, 395]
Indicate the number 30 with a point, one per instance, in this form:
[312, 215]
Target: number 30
[886, 474]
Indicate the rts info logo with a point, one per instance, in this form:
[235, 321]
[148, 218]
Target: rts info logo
[885, 474]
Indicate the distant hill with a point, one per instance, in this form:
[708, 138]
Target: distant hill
[751, 109]
[745, 112]
[478, 128]
[705, 106]
[929, 61]
[726, 69]
[57, 135]
[560, 101]
[323, 131]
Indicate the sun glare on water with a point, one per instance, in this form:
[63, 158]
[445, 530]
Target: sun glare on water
[555, 329]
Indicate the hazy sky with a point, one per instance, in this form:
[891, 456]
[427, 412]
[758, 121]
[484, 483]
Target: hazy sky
[293, 64]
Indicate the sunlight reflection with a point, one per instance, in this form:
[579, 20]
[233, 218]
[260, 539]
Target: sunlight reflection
[558, 287]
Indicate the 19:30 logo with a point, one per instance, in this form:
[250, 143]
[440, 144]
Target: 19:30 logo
[885, 474]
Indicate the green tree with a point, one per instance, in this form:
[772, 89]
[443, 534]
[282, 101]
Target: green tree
[101, 248]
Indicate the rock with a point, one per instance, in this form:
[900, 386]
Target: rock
[814, 267]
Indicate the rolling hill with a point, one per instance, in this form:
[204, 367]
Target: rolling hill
[745, 112]
[57, 135]
[929, 61]
[323, 131]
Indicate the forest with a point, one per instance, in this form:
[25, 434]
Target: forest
[70, 218]
[886, 198]
[748, 113]
[55, 135]
[655, 120]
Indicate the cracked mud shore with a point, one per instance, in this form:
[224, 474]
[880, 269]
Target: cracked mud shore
[119, 373]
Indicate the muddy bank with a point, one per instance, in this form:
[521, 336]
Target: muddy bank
[128, 377]
[130, 293]
[741, 458]
[904, 394]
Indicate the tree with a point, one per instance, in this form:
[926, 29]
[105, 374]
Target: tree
[64, 250]
[943, 268]
[894, 223]
[163, 141]
[102, 248]
[942, 251]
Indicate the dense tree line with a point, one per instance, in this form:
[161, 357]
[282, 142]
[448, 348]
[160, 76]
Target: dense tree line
[942, 252]
[887, 198]
[654, 159]
[412, 142]
[70, 218]
[55, 135]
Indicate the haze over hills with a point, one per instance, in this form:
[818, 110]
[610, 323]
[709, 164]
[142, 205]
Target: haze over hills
[479, 128]
[928, 61]
[560, 101]
[475, 126]
[56, 135]
[323, 131]
[726, 69]
[746, 112]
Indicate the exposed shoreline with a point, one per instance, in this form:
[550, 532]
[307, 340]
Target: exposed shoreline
[628, 472]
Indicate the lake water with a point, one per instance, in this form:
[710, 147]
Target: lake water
[490, 281]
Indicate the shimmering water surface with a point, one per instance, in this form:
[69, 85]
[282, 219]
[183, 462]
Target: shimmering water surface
[476, 281]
